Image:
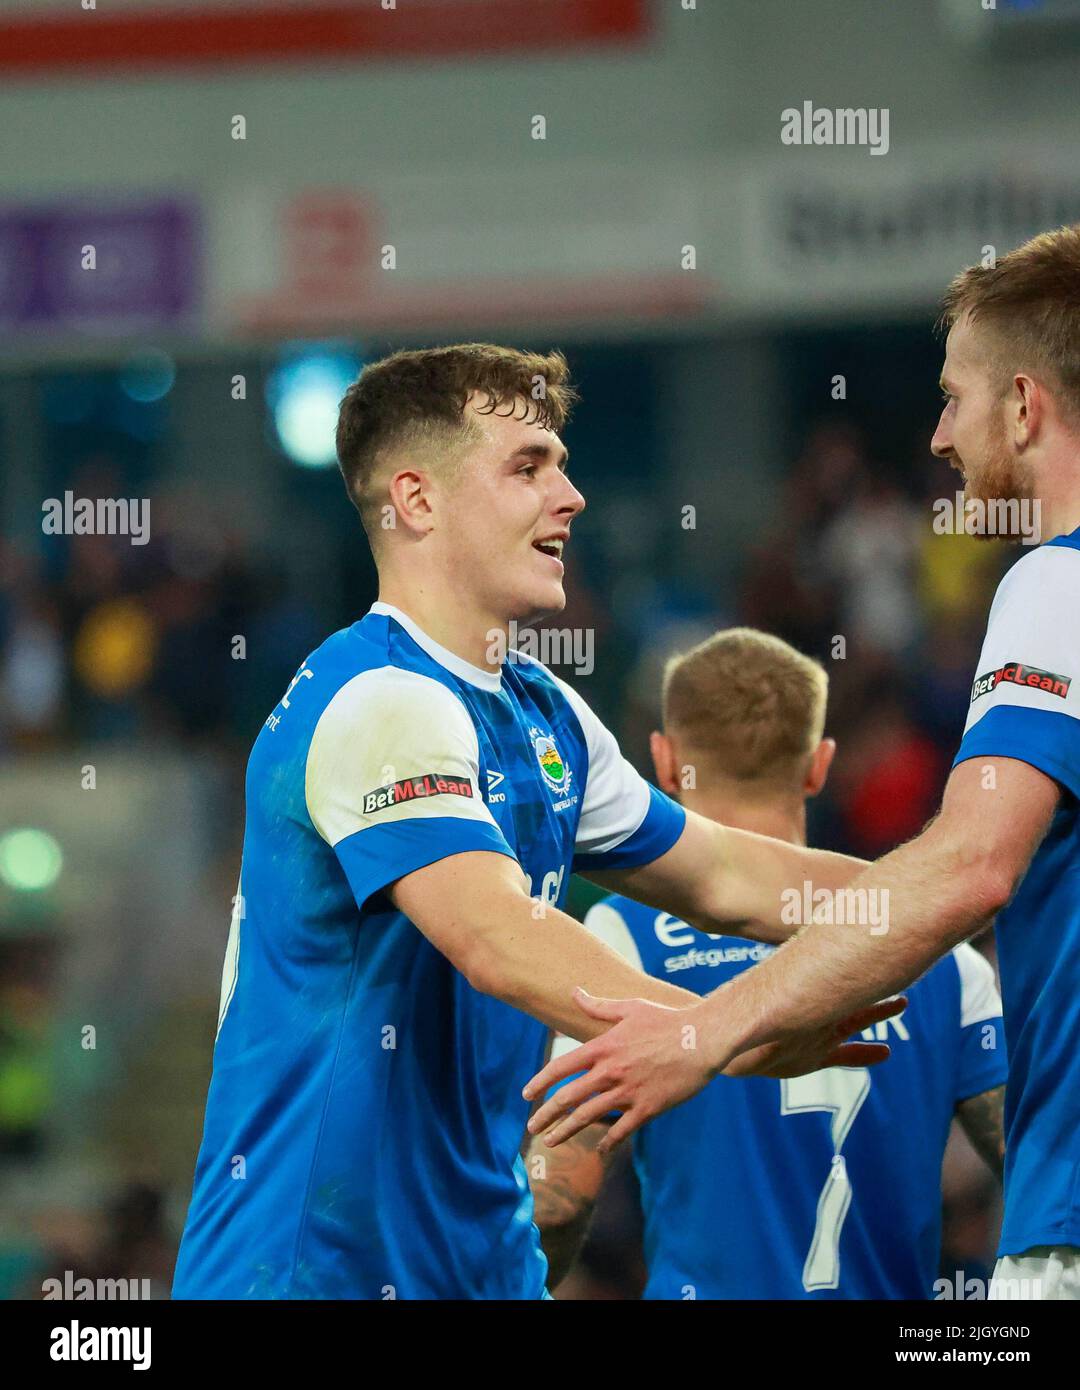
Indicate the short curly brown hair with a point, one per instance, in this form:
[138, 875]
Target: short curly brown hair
[416, 399]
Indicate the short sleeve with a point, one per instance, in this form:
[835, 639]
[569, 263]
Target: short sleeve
[983, 1062]
[392, 778]
[1025, 698]
[624, 821]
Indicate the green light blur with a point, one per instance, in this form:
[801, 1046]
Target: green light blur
[30, 859]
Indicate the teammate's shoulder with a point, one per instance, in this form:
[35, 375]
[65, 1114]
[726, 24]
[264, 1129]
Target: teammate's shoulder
[979, 996]
[644, 923]
[623, 924]
[396, 699]
[1046, 570]
[620, 906]
[966, 978]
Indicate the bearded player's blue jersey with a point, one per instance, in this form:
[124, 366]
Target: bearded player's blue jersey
[364, 1121]
[821, 1186]
[1025, 704]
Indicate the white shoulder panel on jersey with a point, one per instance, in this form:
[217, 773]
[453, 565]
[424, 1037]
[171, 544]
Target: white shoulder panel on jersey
[979, 997]
[1031, 654]
[616, 795]
[610, 927]
[386, 727]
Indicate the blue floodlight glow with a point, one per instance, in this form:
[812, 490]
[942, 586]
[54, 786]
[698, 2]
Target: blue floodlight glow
[304, 394]
[148, 377]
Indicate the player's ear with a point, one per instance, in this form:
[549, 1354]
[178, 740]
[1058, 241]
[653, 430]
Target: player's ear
[818, 770]
[1026, 409]
[665, 762]
[410, 496]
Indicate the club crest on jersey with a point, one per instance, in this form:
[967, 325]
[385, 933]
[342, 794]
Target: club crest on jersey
[556, 774]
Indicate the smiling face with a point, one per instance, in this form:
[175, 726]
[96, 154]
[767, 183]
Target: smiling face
[505, 514]
[973, 431]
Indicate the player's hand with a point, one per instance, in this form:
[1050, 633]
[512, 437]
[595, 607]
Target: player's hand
[649, 1060]
[645, 1063]
[819, 1047]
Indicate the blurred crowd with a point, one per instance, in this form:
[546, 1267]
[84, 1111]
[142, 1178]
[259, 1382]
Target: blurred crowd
[103, 642]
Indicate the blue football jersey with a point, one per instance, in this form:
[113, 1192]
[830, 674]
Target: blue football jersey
[364, 1120]
[819, 1186]
[1025, 704]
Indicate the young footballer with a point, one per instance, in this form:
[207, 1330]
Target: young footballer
[416, 804]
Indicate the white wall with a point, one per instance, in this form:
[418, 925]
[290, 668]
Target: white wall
[715, 81]
[646, 150]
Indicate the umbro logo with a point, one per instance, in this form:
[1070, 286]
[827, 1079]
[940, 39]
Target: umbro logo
[495, 779]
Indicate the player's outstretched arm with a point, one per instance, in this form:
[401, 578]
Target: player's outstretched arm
[932, 893]
[939, 889]
[475, 908]
[720, 879]
[565, 1184]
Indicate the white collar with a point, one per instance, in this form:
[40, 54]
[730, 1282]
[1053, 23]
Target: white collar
[475, 675]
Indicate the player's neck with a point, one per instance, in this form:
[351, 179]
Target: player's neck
[1060, 516]
[472, 636]
[782, 821]
[1058, 491]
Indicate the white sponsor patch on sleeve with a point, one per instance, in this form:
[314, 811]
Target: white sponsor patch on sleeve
[1031, 654]
[392, 745]
[979, 997]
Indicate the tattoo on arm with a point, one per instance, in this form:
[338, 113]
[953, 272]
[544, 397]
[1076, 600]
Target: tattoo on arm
[983, 1119]
[565, 1183]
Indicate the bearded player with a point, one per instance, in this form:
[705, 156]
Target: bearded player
[1006, 841]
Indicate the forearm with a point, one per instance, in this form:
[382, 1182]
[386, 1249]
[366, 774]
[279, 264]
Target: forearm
[719, 879]
[982, 1119]
[535, 963]
[475, 909]
[765, 884]
[561, 1245]
[928, 898]
[565, 1183]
